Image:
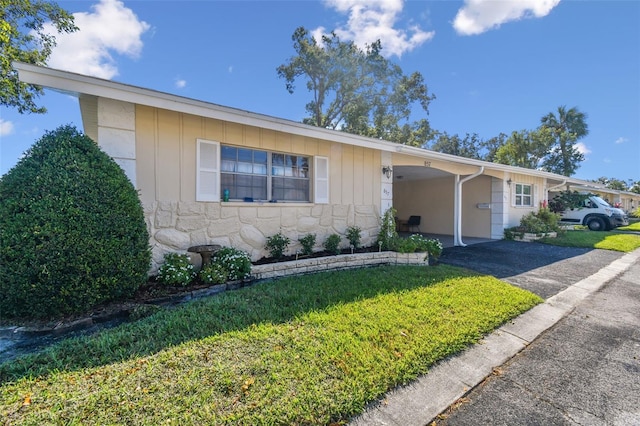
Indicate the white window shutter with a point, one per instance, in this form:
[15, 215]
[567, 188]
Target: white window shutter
[208, 174]
[535, 199]
[321, 178]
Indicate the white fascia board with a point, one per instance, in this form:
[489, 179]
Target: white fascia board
[76, 84]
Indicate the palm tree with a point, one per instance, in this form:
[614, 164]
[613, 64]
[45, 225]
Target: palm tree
[567, 127]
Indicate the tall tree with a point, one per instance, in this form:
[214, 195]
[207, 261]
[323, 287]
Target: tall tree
[613, 183]
[568, 126]
[468, 147]
[471, 146]
[526, 148]
[357, 91]
[491, 146]
[23, 38]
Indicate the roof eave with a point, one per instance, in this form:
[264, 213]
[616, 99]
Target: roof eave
[76, 84]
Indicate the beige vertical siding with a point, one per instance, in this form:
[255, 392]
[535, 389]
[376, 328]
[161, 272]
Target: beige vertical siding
[431, 199]
[166, 144]
[476, 222]
[539, 195]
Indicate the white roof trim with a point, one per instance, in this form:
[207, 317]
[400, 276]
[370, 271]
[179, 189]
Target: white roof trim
[77, 84]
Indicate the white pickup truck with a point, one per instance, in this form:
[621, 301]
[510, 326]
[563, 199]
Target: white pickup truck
[596, 214]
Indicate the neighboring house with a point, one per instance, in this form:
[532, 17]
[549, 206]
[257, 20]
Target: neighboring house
[187, 157]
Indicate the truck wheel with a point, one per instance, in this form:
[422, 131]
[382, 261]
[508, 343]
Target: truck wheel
[596, 224]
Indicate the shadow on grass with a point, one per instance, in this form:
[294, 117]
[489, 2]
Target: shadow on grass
[276, 301]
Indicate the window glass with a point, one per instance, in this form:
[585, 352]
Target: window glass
[262, 176]
[523, 195]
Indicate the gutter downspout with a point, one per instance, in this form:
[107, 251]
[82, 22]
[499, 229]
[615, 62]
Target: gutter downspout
[457, 207]
[564, 182]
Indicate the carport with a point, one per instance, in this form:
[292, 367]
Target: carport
[455, 207]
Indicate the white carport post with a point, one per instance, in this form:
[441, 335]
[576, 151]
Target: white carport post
[457, 207]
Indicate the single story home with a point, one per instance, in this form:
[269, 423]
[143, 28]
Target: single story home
[210, 174]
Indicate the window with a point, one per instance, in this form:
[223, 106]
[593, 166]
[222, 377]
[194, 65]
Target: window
[523, 195]
[243, 172]
[249, 174]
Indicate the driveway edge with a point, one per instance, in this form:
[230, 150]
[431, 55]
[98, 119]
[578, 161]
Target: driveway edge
[421, 401]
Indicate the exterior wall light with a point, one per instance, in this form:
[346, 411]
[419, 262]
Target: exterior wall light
[387, 170]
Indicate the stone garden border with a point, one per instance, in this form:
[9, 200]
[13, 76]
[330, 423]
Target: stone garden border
[529, 237]
[338, 262]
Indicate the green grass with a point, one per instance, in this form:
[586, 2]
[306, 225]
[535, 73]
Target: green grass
[611, 240]
[306, 350]
[635, 226]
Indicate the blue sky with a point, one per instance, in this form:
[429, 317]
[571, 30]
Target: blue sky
[494, 66]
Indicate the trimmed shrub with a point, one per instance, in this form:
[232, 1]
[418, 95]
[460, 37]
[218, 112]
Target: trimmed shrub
[354, 235]
[72, 230]
[332, 244]
[236, 263]
[277, 244]
[176, 270]
[307, 242]
[540, 222]
[214, 273]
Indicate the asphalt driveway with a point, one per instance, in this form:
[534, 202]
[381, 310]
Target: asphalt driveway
[540, 268]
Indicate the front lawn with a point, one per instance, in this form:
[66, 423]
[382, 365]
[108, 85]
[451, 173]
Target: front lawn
[610, 240]
[633, 226]
[301, 350]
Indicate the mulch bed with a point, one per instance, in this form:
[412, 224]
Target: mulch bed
[153, 292]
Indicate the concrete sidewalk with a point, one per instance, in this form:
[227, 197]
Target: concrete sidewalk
[421, 401]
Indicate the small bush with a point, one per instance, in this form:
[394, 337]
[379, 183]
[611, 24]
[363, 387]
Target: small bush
[635, 213]
[308, 241]
[403, 245]
[72, 230]
[540, 222]
[277, 244]
[418, 243]
[176, 270]
[332, 244]
[353, 235]
[214, 273]
[434, 248]
[237, 263]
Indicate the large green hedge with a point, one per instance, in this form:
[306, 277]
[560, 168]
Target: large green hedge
[72, 230]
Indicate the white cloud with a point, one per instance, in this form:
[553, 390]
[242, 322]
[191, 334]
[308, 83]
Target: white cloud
[621, 140]
[6, 127]
[582, 148]
[180, 83]
[371, 20]
[478, 16]
[110, 27]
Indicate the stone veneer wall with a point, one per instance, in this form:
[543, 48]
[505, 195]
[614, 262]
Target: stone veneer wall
[175, 226]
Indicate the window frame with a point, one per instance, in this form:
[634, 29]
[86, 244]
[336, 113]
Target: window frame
[316, 169]
[518, 196]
